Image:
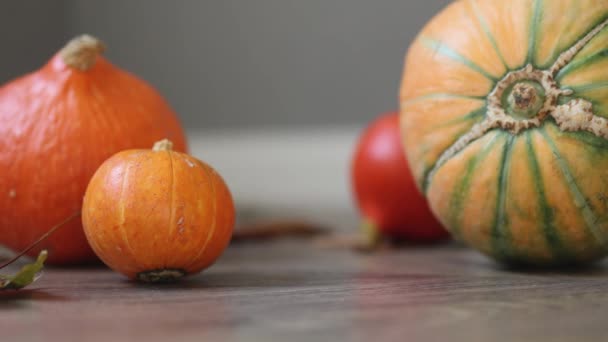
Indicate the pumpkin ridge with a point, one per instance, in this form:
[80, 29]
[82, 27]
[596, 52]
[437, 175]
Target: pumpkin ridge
[597, 23]
[434, 167]
[481, 111]
[213, 224]
[589, 87]
[169, 262]
[462, 190]
[554, 241]
[477, 131]
[568, 55]
[590, 139]
[122, 211]
[588, 215]
[579, 64]
[484, 26]
[500, 232]
[442, 49]
[532, 44]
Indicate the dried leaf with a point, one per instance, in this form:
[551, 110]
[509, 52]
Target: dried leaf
[27, 275]
[278, 229]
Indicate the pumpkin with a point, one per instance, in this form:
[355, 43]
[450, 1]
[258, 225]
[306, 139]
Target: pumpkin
[504, 108]
[57, 125]
[157, 215]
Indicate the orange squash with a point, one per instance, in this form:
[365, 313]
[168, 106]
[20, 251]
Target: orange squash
[157, 215]
[504, 108]
[57, 125]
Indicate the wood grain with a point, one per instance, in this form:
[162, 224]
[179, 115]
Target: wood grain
[297, 291]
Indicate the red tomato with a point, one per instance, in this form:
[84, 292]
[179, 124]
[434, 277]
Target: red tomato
[384, 188]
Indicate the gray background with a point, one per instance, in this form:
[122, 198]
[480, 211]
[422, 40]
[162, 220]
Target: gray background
[236, 63]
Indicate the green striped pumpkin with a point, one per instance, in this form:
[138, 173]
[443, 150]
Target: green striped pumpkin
[504, 108]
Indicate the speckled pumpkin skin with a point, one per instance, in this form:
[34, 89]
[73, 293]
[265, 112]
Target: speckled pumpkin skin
[539, 196]
[147, 211]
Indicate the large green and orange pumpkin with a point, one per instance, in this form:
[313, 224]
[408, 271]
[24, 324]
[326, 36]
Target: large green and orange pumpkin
[504, 108]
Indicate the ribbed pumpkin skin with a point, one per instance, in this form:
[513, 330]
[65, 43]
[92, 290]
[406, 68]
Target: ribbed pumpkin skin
[57, 125]
[148, 210]
[539, 196]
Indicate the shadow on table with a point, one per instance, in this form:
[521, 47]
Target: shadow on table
[15, 299]
[241, 280]
[595, 270]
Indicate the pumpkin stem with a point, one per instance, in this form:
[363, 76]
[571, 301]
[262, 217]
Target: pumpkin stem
[81, 52]
[163, 145]
[523, 96]
[526, 99]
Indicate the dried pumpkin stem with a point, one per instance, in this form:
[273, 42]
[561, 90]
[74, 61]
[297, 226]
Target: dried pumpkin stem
[526, 99]
[81, 52]
[163, 145]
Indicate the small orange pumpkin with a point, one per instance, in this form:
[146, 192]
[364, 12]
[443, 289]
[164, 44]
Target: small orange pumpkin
[57, 125]
[157, 215]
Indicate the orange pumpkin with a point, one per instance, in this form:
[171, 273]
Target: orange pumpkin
[57, 125]
[503, 115]
[157, 215]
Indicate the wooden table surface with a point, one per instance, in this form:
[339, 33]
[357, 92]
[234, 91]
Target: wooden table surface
[298, 291]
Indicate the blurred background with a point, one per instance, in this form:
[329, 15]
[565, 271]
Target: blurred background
[273, 93]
